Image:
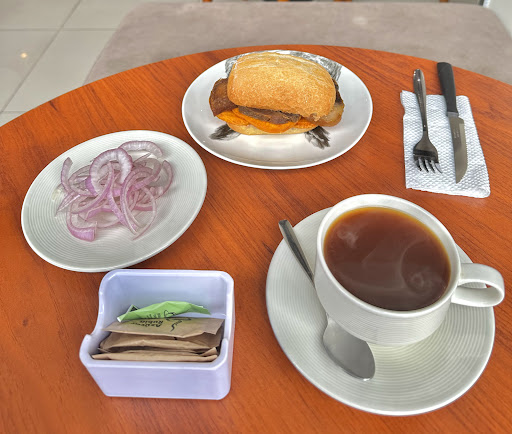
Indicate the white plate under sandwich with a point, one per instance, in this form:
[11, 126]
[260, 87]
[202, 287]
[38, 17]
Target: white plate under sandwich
[278, 151]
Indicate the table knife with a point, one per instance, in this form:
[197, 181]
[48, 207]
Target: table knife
[460, 152]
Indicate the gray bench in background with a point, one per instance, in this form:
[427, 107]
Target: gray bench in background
[467, 36]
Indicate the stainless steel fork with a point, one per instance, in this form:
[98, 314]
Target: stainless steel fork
[425, 153]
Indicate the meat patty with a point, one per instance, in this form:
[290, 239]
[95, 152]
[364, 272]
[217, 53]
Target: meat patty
[219, 101]
[272, 116]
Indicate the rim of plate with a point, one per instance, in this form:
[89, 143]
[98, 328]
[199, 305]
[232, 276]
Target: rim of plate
[263, 166]
[147, 134]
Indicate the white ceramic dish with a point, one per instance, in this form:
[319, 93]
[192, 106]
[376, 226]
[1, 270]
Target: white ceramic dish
[410, 379]
[48, 236]
[183, 380]
[285, 151]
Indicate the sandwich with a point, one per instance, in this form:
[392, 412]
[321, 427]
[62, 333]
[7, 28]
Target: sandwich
[272, 93]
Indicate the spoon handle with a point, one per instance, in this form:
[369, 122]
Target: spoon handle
[293, 243]
[350, 353]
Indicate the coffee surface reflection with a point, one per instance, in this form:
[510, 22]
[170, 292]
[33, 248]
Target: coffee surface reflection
[387, 258]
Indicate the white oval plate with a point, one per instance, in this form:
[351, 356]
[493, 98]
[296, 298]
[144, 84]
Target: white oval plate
[408, 380]
[47, 234]
[278, 151]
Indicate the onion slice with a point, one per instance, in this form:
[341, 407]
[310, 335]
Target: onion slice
[64, 174]
[116, 189]
[87, 233]
[142, 145]
[100, 197]
[153, 212]
[119, 155]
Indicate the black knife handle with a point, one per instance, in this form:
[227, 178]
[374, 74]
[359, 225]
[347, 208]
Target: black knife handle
[445, 72]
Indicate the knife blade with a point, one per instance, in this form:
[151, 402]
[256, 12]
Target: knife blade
[460, 151]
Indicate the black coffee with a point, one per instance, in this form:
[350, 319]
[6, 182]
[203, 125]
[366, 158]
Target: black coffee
[387, 258]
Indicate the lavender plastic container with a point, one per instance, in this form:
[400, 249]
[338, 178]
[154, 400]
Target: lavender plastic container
[182, 380]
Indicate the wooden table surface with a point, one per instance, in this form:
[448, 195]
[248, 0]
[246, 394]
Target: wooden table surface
[46, 311]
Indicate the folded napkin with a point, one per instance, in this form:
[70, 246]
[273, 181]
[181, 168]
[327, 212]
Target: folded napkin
[476, 181]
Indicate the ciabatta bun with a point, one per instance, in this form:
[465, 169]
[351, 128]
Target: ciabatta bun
[273, 81]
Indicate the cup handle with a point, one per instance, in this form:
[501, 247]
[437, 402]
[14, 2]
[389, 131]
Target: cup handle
[492, 295]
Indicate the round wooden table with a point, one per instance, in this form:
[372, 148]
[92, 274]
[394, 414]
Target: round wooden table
[46, 311]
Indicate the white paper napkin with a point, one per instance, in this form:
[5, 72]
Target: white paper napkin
[476, 180]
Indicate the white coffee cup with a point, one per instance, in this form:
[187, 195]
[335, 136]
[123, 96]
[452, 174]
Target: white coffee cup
[394, 328]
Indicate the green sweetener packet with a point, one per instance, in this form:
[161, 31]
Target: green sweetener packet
[166, 309]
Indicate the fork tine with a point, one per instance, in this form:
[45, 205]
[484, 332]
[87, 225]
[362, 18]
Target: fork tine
[429, 161]
[438, 167]
[417, 161]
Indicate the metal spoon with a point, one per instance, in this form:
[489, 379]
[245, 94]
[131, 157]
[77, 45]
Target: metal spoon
[350, 353]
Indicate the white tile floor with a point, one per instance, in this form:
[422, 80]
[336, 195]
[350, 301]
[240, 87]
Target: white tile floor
[47, 47]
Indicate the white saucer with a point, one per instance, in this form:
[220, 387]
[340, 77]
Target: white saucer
[409, 380]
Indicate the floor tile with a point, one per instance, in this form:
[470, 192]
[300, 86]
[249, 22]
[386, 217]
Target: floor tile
[101, 14]
[8, 117]
[35, 14]
[19, 51]
[63, 67]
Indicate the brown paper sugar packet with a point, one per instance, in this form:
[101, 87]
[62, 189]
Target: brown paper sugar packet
[210, 352]
[153, 356]
[208, 339]
[177, 327]
[165, 350]
[117, 341]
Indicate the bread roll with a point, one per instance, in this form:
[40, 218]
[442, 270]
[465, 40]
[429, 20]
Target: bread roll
[251, 130]
[282, 82]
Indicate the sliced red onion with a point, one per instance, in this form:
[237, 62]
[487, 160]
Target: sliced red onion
[115, 209]
[80, 173]
[64, 174]
[152, 176]
[119, 155]
[125, 192]
[69, 199]
[153, 213]
[101, 197]
[168, 169]
[113, 190]
[87, 233]
[142, 145]
[142, 158]
[88, 215]
[161, 190]
[75, 181]
[89, 186]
